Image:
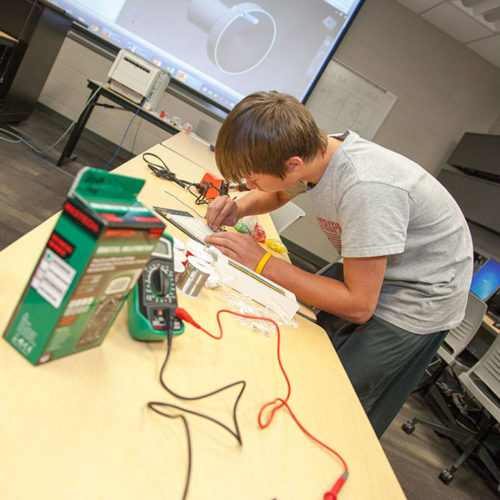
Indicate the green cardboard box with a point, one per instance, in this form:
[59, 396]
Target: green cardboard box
[92, 260]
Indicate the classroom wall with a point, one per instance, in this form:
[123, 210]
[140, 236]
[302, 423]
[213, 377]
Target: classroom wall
[495, 128]
[66, 92]
[443, 90]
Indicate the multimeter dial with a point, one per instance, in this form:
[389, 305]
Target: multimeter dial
[158, 283]
[158, 299]
[154, 299]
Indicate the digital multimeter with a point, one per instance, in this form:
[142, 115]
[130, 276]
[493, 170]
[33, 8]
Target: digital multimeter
[153, 300]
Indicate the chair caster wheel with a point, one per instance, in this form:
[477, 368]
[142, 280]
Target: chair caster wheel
[446, 476]
[408, 427]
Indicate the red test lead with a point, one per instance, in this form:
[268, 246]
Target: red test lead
[183, 315]
[278, 402]
[332, 494]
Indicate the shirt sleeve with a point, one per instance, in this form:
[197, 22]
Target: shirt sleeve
[374, 220]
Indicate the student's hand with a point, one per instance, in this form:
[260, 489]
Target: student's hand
[223, 210]
[239, 247]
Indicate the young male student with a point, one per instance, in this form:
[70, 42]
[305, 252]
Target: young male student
[406, 247]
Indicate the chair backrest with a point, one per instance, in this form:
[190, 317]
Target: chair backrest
[482, 380]
[458, 338]
[286, 215]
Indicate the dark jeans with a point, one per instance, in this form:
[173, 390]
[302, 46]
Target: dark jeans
[383, 362]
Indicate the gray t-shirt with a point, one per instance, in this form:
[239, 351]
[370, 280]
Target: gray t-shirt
[371, 202]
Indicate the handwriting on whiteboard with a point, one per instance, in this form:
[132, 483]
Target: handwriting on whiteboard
[343, 99]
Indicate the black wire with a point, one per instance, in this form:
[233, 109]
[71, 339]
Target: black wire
[153, 404]
[110, 106]
[199, 197]
[161, 170]
[202, 199]
[237, 434]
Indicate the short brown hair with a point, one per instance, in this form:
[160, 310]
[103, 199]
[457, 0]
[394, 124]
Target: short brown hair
[262, 132]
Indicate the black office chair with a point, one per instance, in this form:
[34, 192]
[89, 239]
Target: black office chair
[481, 383]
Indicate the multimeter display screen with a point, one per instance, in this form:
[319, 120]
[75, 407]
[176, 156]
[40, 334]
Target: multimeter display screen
[163, 248]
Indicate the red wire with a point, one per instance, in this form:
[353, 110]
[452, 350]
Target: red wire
[283, 402]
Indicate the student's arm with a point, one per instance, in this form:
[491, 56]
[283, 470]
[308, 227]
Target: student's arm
[224, 210]
[354, 299]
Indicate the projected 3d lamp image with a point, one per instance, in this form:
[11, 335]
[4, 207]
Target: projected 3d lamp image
[239, 38]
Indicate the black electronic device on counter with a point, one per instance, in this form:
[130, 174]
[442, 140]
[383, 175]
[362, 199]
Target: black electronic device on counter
[153, 301]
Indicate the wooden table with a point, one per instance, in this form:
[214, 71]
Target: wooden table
[79, 427]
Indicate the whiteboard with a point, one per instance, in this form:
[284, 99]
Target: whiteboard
[344, 99]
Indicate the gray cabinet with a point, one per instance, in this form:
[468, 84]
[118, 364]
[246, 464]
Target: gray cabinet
[473, 179]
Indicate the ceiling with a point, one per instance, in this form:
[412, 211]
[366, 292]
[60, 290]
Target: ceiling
[475, 23]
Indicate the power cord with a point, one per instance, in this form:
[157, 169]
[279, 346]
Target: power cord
[48, 148]
[203, 190]
[34, 151]
[125, 134]
[132, 155]
[161, 170]
[39, 152]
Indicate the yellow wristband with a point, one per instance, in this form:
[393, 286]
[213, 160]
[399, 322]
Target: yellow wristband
[262, 263]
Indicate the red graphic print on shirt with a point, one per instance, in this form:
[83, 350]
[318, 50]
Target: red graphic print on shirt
[332, 230]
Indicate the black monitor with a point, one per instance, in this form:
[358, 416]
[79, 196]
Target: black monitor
[225, 50]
